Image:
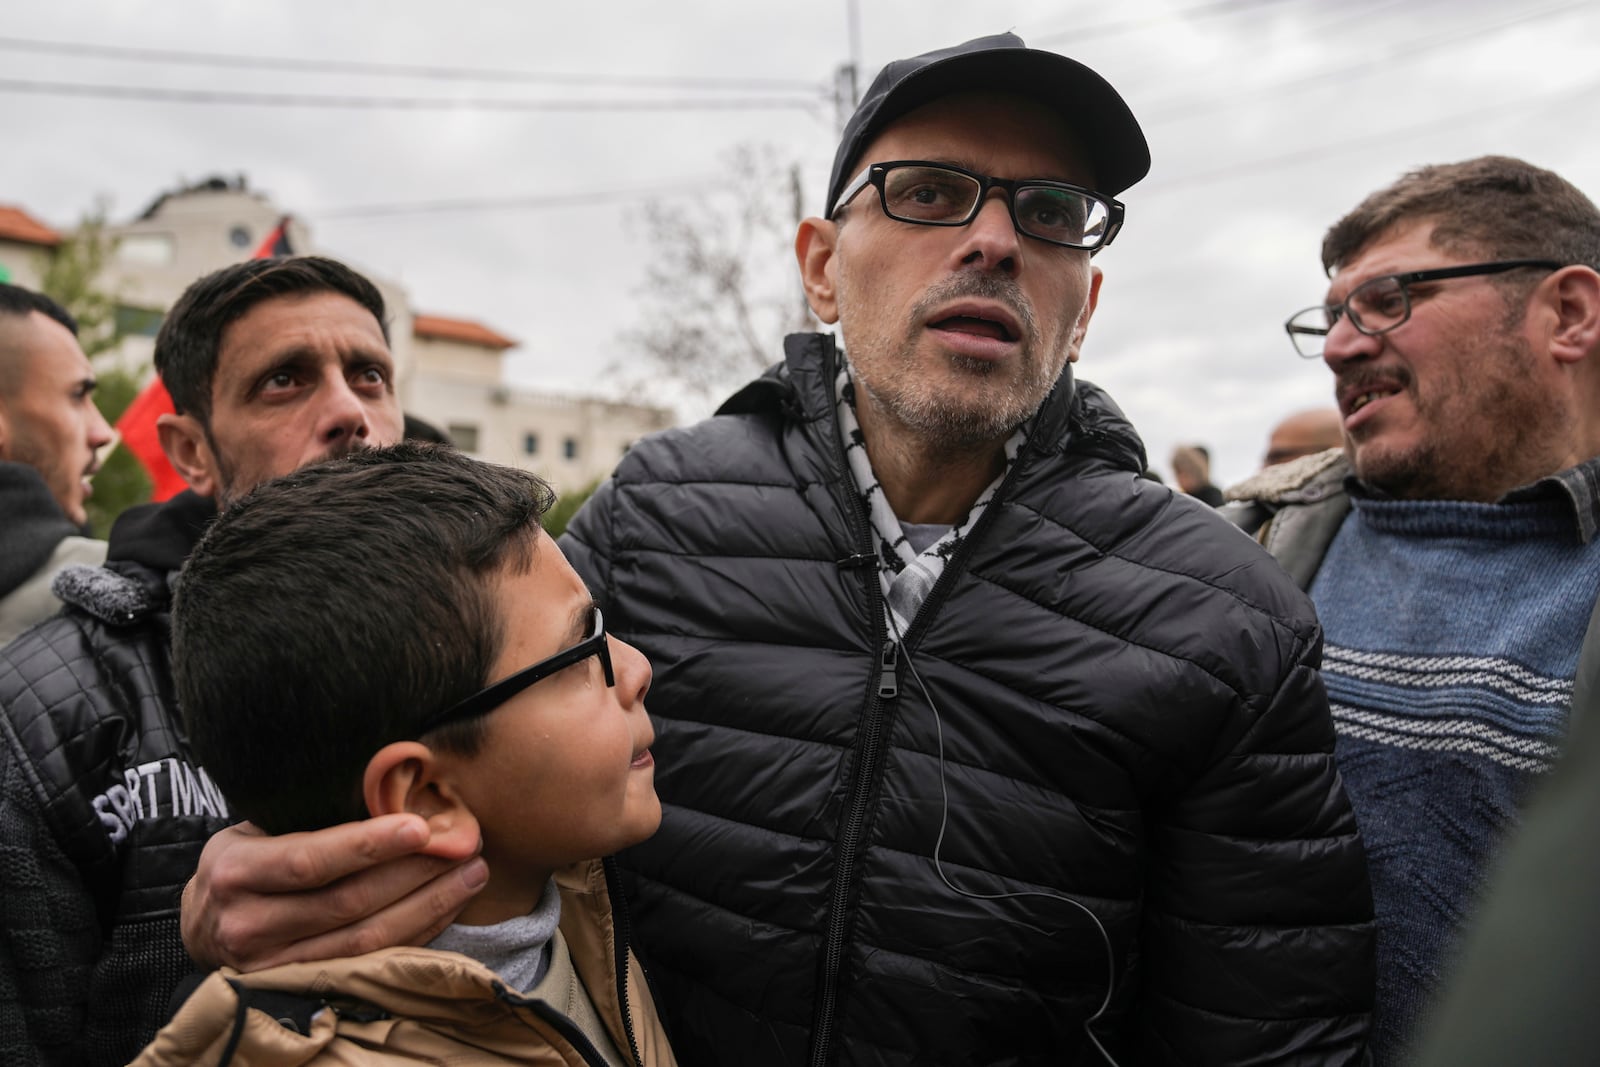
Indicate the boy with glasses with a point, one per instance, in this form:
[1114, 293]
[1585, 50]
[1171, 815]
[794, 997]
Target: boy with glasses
[356, 640]
[1451, 549]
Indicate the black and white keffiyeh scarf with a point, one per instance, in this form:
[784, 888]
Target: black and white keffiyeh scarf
[906, 576]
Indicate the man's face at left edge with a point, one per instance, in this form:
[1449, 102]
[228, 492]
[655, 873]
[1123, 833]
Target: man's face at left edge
[48, 417]
[299, 379]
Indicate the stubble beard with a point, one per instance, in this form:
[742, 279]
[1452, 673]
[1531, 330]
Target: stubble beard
[229, 491]
[953, 421]
[53, 471]
[1470, 454]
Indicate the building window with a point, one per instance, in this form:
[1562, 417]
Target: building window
[530, 444]
[239, 237]
[464, 434]
[145, 249]
[569, 448]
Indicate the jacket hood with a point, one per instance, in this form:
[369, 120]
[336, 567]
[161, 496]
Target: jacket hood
[33, 524]
[148, 546]
[1076, 416]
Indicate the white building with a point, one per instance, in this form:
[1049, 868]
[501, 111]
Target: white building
[456, 384]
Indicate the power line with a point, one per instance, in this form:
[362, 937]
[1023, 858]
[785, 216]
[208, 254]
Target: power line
[711, 183]
[399, 103]
[408, 70]
[1111, 29]
[1323, 151]
[1190, 105]
[516, 203]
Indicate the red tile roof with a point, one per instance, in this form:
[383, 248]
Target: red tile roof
[442, 329]
[17, 225]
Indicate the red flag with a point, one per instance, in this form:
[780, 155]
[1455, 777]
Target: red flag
[138, 424]
[138, 428]
[276, 243]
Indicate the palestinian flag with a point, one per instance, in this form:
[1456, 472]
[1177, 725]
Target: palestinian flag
[276, 244]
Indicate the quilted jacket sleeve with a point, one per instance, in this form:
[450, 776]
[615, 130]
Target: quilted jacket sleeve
[50, 937]
[1258, 936]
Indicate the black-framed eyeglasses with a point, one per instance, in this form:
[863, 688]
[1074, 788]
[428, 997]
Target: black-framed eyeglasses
[487, 699]
[1380, 304]
[938, 194]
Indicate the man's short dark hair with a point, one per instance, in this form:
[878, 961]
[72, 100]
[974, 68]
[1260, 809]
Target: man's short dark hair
[15, 300]
[1497, 207]
[326, 612]
[190, 337]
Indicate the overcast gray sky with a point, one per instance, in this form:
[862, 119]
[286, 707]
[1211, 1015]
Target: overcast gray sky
[1267, 119]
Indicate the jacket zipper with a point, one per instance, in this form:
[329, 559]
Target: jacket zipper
[868, 768]
[884, 687]
[565, 1026]
[623, 925]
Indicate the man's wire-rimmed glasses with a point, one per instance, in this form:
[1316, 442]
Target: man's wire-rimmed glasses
[938, 194]
[492, 696]
[1380, 304]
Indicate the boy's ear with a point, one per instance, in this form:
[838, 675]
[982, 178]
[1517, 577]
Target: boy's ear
[405, 776]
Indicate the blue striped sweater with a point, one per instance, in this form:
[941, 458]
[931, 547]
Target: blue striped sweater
[1452, 632]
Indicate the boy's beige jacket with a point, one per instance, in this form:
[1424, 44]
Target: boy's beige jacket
[408, 1004]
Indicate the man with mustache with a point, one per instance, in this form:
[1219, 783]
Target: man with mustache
[975, 745]
[1451, 549]
[272, 364]
[51, 433]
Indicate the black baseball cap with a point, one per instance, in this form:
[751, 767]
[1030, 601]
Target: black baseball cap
[1002, 63]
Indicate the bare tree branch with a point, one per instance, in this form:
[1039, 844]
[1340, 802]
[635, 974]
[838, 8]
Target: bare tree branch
[720, 290]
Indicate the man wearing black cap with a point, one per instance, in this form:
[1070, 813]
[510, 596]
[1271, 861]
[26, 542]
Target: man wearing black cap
[975, 746]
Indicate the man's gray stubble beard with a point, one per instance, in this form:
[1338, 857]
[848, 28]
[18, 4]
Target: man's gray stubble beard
[947, 426]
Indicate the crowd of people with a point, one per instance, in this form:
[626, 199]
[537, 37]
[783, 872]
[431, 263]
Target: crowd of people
[966, 743]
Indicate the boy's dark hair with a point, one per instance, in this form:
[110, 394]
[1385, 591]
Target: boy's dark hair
[190, 337]
[325, 613]
[15, 300]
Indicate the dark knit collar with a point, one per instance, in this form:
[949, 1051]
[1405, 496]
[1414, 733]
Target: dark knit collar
[1579, 486]
[1575, 491]
[160, 536]
[32, 527]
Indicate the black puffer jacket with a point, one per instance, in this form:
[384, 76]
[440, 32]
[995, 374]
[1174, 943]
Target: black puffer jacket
[103, 812]
[1131, 715]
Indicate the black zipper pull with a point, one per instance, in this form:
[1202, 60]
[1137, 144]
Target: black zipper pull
[888, 665]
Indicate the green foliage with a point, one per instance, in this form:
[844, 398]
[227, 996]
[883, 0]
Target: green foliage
[71, 276]
[122, 481]
[566, 506]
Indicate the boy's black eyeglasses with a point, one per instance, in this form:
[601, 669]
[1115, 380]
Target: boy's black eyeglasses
[937, 194]
[487, 699]
[1379, 305]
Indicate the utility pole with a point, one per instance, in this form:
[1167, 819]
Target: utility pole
[846, 93]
